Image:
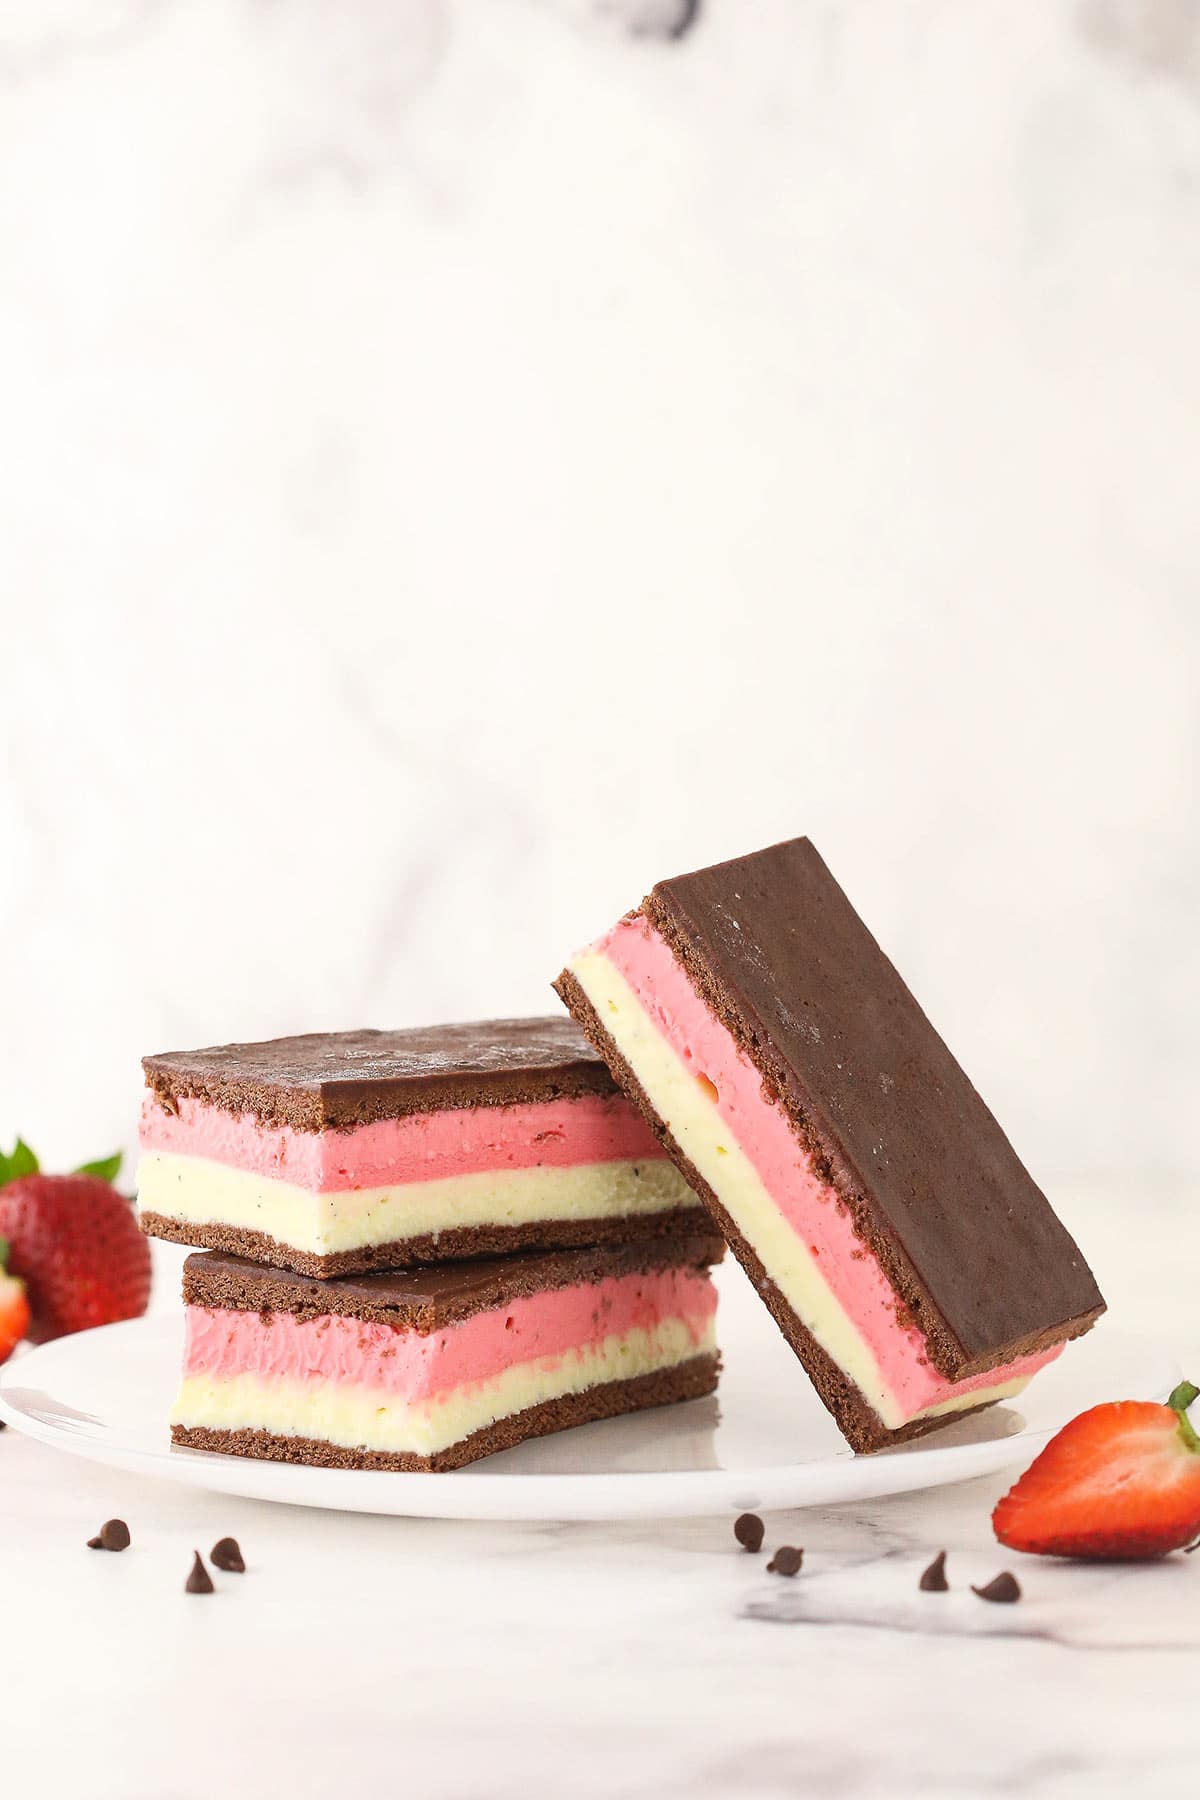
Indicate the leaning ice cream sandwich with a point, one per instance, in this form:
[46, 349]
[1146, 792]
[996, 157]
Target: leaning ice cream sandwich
[334, 1153]
[906, 1254]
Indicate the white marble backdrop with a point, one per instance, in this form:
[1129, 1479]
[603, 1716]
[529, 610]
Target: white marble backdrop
[465, 460]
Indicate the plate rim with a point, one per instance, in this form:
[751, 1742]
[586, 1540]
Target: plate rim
[481, 1494]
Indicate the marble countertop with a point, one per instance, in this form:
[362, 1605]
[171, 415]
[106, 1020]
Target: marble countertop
[421, 1656]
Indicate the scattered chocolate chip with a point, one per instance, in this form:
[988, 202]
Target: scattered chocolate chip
[933, 1581]
[113, 1535]
[1002, 1588]
[748, 1530]
[226, 1555]
[786, 1560]
[3, 1426]
[199, 1581]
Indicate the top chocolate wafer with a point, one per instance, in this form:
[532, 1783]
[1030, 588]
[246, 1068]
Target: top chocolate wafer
[905, 1250]
[326, 1080]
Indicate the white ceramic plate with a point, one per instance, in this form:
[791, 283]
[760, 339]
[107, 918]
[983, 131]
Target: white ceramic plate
[764, 1441]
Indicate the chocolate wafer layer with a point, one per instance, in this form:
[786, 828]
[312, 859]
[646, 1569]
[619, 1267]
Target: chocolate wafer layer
[451, 1246]
[339, 1079]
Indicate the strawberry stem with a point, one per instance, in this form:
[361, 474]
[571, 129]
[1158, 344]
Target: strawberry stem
[1179, 1401]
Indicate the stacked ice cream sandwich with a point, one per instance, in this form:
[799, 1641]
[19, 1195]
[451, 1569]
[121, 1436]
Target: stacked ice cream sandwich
[420, 1246]
[423, 1246]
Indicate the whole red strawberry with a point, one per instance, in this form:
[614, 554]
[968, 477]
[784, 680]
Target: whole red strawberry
[74, 1242]
[1122, 1480]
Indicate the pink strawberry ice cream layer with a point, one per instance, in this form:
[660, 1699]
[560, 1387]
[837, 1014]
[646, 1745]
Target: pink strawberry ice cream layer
[590, 1128]
[810, 1206]
[221, 1344]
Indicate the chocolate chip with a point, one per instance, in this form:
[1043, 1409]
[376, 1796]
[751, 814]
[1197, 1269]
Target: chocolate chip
[113, 1535]
[3, 1425]
[1002, 1588]
[933, 1581]
[786, 1560]
[748, 1530]
[226, 1555]
[199, 1581]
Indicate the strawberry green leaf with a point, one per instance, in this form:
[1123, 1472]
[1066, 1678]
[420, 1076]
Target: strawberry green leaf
[1179, 1400]
[107, 1169]
[21, 1162]
[3, 1252]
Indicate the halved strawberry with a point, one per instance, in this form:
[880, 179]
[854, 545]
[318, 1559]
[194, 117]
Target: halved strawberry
[14, 1307]
[1122, 1480]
